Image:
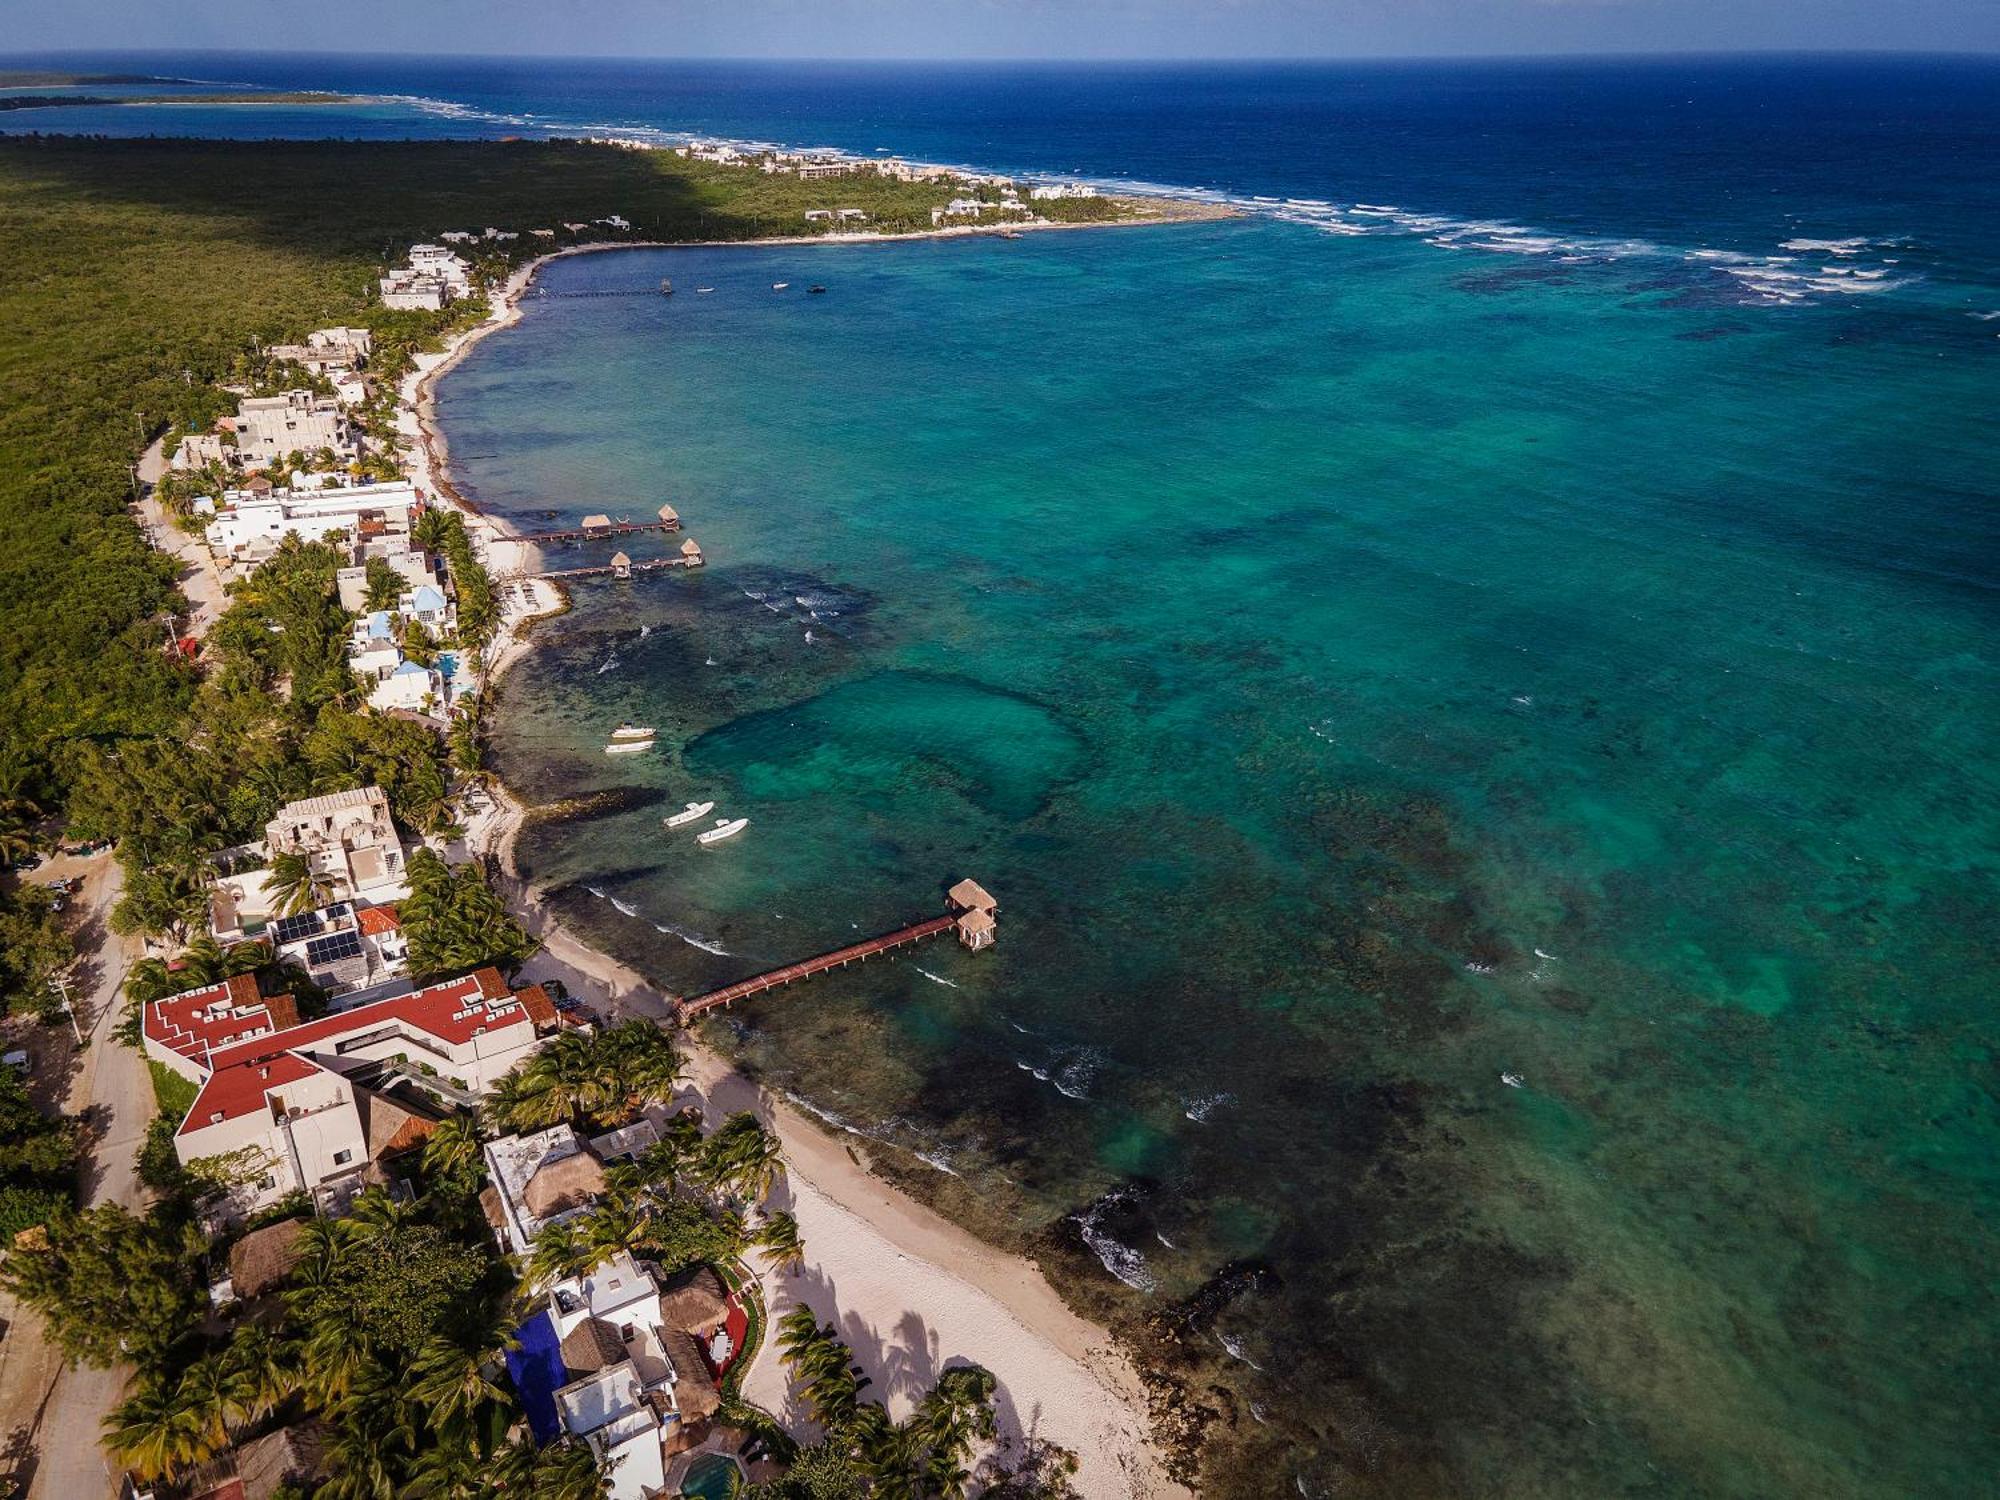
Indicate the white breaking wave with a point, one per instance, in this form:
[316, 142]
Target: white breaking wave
[934, 978]
[1200, 1109]
[623, 908]
[610, 666]
[707, 945]
[1121, 1260]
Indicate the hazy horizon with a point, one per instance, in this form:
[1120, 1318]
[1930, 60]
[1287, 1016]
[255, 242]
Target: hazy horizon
[1097, 31]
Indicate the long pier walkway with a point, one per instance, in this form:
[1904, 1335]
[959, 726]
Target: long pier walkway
[970, 916]
[594, 533]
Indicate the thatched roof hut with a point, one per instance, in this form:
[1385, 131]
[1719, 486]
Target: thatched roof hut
[291, 1455]
[597, 523]
[559, 1186]
[695, 1302]
[970, 895]
[669, 515]
[694, 1388]
[264, 1257]
[591, 1346]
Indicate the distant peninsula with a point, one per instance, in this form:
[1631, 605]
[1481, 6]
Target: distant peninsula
[62, 101]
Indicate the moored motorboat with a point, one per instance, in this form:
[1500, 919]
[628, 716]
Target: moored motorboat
[627, 747]
[634, 732]
[724, 828]
[779, 286]
[692, 811]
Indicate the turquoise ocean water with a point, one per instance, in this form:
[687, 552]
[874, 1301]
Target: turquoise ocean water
[1361, 671]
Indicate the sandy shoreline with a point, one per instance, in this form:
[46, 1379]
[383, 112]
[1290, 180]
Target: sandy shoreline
[911, 1292]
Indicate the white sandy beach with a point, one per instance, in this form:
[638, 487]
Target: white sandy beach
[911, 1292]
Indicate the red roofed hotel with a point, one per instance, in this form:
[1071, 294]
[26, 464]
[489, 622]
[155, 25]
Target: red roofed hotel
[303, 1096]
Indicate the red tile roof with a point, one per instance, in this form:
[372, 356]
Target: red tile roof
[453, 1012]
[541, 1009]
[202, 1021]
[376, 920]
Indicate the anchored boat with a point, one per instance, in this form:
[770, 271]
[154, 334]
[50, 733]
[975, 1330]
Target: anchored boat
[633, 732]
[725, 828]
[689, 814]
[779, 286]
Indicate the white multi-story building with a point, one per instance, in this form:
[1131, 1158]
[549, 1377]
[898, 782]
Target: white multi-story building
[248, 526]
[446, 265]
[289, 1106]
[327, 350]
[410, 291]
[1049, 190]
[350, 840]
[269, 427]
[411, 687]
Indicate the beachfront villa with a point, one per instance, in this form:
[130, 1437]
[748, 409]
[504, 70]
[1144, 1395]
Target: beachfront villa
[269, 427]
[250, 523]
[316, 1105]
[411, 687]
[411, 564]
[620, 1357]
[349, 839]
[200, 449]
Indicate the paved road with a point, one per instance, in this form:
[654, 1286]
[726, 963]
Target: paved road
[51, 1414]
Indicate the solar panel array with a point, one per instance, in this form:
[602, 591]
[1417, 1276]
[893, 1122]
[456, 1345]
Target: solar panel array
[291, 929]
[330, 950]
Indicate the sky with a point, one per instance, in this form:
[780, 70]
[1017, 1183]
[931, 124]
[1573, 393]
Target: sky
[1003, 28]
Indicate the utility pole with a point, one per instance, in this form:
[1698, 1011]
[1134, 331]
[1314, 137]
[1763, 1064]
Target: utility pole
[61, 982]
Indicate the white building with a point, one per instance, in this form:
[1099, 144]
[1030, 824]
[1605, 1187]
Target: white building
[269, 427]
[340, 951]
[446, 265]
[411, 687]
[249, 525]
[1049, 190]
[350, 840]
[327, 350]
[408, 291]
[535, 1181]
[427, 605]
[293, 1106]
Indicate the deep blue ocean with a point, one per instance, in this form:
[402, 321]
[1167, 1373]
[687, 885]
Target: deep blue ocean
[1474, 683]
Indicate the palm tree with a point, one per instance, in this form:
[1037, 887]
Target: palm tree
[614, 1227]
[453, 1149]
[743, 1157]
[778, 1237]
[216, 1395]
[294, 885]
[642, 1059]
[337, 1360]
[266, 1366]
[376, 1212]
[155, 1433]
[453, 1385]
[559, 1253]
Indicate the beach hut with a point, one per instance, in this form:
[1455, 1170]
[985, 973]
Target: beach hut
[591, 1346]
[670, 518]
[559, 1186]
[621, 565]
[691, 553]
[597, 523]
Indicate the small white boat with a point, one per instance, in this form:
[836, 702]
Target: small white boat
[779, 286]
[627, 747]
[703, 291]
[725, 828]
[633, 732]
[1512, 1080]
[694, 810]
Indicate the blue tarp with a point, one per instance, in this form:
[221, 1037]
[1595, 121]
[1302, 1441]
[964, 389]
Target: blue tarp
[537, 1371]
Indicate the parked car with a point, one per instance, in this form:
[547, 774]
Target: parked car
[17, 1060]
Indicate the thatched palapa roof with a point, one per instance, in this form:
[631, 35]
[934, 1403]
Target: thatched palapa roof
[290, 1455]
[559, 1186]
[970, 895]
[591, 1346]
[694, 1388]
[695, 1302]
[264, 1257]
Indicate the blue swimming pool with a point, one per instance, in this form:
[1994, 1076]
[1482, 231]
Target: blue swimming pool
[537, 1371]
[713, 1476]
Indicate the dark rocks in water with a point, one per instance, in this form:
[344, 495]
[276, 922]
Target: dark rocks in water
[611, 802]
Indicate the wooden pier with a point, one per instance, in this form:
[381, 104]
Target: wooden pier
[596, 527]
[970, 915]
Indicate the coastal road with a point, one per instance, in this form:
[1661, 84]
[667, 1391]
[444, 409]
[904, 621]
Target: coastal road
[52, 1414]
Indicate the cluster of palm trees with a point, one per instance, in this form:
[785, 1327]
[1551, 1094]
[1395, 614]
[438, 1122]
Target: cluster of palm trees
[204, 962]
[601, 1078]
[431, 1420]
[923, 1457]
